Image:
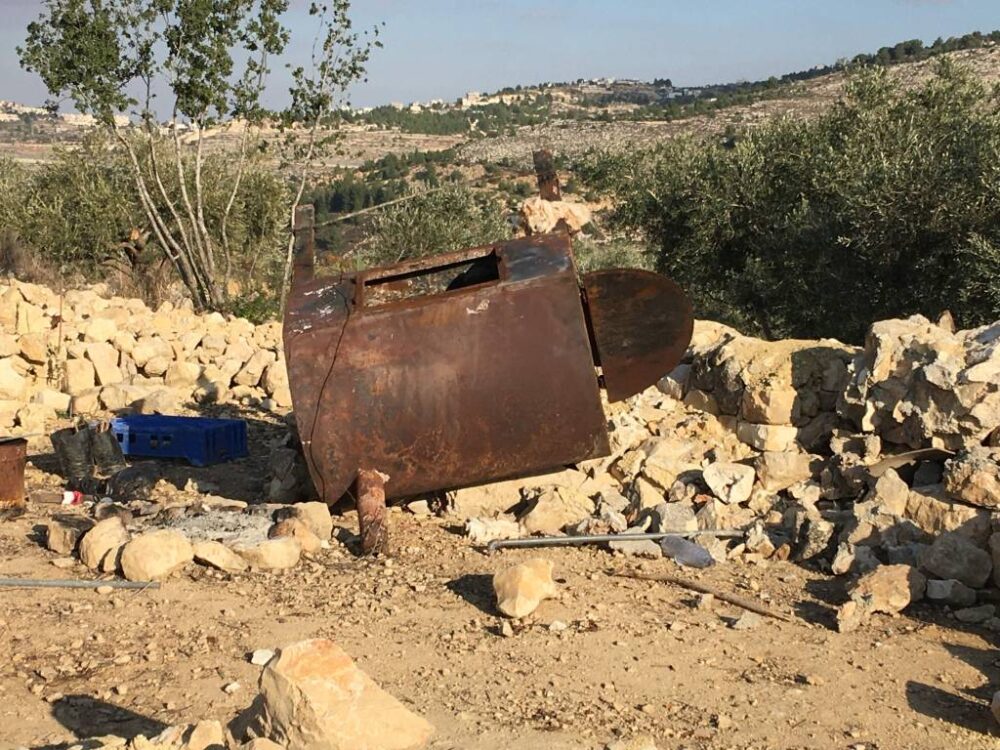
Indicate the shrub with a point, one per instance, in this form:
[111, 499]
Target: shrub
[886, 205]
[436, 222]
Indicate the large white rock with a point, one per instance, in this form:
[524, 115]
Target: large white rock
[217, 555]
[155, 555]
[314, 697]
[272, 554]
[520, 589]
[104, 540]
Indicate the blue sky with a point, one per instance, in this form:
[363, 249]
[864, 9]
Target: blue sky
[442, 48]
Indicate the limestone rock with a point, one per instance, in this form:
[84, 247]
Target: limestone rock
[261, 743]
[636, 547]
[934, 513]
[295, 529]
[919, 384]
[953, 555]
[486, 530]
[554, 509]
[272, 554]
[105, 359]
[730, 482]
[182, 374]
[543, 216]
[62, 535]
[34, 348]
[520, 589]
[779, 470]
[314, 697]
[767, 437]
[219, 556]
[638, 742]
[316, 516]
[974, 477]
[100, 330]
[888, 589]
[205, 735]
[891, 494]
[104, 540]
[79, 376]
[12, 383]
[673, 517]
[154, 555]
[951, 592]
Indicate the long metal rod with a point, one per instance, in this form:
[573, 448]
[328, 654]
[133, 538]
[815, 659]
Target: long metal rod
[576, 541]
[48, 583]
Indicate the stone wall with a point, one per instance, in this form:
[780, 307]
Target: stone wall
[88, 352]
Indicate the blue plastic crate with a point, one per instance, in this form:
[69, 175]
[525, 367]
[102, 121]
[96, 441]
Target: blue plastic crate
[199, 440]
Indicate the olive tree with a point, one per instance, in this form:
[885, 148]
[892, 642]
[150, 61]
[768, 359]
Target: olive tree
[210, 60]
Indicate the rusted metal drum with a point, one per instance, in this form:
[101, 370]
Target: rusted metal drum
[469, 367]
[13, 454]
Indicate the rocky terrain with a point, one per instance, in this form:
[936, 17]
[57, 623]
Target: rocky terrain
[863, 484]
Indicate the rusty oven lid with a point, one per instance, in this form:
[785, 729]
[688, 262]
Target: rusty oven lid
[641, 324]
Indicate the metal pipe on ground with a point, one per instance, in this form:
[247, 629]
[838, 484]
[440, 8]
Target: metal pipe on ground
[577, 541]
[47, 583]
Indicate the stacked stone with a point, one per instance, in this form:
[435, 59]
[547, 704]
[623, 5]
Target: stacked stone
[89, 352]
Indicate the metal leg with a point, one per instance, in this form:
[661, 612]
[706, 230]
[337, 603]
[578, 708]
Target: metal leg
[372, 512]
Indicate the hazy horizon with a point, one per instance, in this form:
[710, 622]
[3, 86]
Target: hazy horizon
[440, 49]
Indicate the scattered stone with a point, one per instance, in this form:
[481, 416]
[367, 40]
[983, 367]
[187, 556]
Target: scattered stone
[556, 508]
[297, 530]
[316, 516]
[974, 477]
[638, 742]
[272, 554]
[261, 656]
[975, 615]
[951, 592]
[732, 483]
[219, 556]
[673, 517]
[888, 589]
[779, 470]
[205, 735]
[314, 697]
[486, 530]
[63, 534]
[952, 555]
[154, 555]
[636, 547]
[520, 589]
[747, 621]
[231, 688]
[100, 546]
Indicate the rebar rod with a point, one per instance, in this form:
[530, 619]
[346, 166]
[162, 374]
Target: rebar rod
[575, 541]
[56, 583]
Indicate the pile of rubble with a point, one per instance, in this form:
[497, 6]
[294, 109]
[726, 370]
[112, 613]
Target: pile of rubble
[86, 352]
[809, 447]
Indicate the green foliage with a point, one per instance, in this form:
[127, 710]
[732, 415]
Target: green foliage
[210, 60]
[592, 255]
[437, 222]
[886, 205]
[79, 212]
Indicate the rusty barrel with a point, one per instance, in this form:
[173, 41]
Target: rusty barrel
[13, 454]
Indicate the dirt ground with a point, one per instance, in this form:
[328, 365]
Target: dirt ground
[610, 657]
